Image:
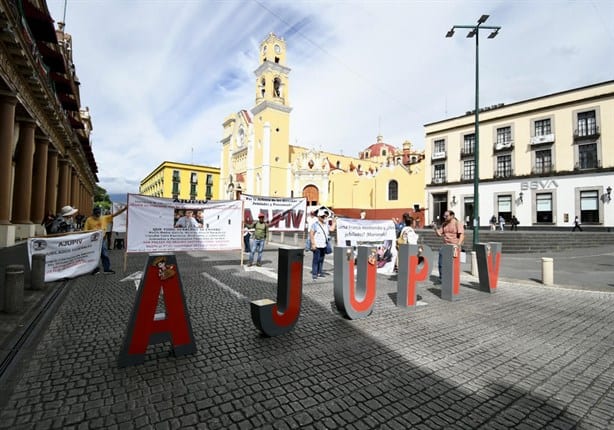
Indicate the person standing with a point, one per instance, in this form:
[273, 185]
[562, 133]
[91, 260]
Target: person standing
[493, 223]
[501, 222]
[576, 224]
[515, 223]
[452, 231]
[261, 230]
[99, 222]
[319, 234]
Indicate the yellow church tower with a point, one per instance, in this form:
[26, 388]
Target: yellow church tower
[268, 167]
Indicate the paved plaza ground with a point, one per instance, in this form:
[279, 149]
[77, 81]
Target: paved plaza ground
[527, 357]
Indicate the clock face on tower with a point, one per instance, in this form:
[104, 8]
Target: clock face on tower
[277, 49]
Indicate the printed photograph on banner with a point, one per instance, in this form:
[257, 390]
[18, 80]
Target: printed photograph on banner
[189, 218]
[281, 213]
[379, 235]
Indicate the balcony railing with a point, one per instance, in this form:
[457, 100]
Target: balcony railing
[466, 152]
[504, 173]
[438, 155]
[586, 133]
[542, 170]
[467, 177]
[544, 138]
[586, 165]
[439, 180]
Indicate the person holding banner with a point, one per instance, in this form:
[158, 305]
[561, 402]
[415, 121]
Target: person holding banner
[99, 222]
[261, 230]
[319, 234]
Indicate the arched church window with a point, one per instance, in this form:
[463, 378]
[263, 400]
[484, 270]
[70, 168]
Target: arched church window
[338, 164]
[262, 86]
[393, 190]
[310, 164]
[277, 87]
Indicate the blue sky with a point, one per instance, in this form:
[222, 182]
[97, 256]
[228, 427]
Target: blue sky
[160, 76]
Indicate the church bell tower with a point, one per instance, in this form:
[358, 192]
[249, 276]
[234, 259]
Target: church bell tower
[271, 117]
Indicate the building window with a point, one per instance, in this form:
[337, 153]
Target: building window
[393, 190]
[439, 173]
[543, 161]
[192, 191]
[589, 206]
[208, 194]
[504, 207]
[175, 189]
[504, 136]
[543, 205]
[439, 145]
[504, 166]
[542, 127]
[468, 169]
[176, 176]
[587, 154]
[468, 144]
[194, 178]
[587, 124]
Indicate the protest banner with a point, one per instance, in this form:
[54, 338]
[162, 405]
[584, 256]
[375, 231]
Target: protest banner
[283, 213]
[119, 221]
[67, 255]
[378, 234]
[158, 224]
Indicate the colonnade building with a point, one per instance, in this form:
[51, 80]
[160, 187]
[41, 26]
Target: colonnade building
[544, 160]
[46, 159]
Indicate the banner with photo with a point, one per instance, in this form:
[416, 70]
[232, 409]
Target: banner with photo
[157, 224]
[283, 213]
[68, 255]
[119, 221]
[378, 234]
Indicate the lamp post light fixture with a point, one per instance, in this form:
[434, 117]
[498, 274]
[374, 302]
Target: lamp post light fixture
[520, 195]
[474, 30]
[609, 193]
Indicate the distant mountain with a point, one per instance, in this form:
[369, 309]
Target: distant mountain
[119, 197]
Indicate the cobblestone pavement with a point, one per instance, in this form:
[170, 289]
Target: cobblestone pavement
[525, 357]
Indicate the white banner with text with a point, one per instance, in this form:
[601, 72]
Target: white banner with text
[68, 255]
[165, 225]
[282, 213]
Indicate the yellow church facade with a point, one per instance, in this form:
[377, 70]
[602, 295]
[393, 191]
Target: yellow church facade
[257, 158]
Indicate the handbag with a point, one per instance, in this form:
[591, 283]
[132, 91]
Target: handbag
[329, 248]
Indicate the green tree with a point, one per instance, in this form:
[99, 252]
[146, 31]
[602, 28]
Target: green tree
[102, 199]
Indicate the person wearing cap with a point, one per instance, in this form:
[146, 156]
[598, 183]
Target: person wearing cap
[261, 229]
[319, 234]
[99, 222]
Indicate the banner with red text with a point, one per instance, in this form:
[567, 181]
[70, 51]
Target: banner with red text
[282, 213]
[67, 255]
[157, 224]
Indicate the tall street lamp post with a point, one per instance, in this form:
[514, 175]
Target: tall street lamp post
[475, 31]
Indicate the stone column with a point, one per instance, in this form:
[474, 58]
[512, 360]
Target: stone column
[39, 190]
[51, 187]
[7, 125]
[74, 190]
[63, 187]
[24, 161]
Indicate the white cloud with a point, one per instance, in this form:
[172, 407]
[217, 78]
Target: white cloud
[160, 77]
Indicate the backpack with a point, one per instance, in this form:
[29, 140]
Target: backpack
[58, 225]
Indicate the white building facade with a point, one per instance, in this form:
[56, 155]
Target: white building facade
[545, 160]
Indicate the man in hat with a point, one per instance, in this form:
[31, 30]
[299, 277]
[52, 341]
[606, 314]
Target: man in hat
[99, 222]
[261, 229]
